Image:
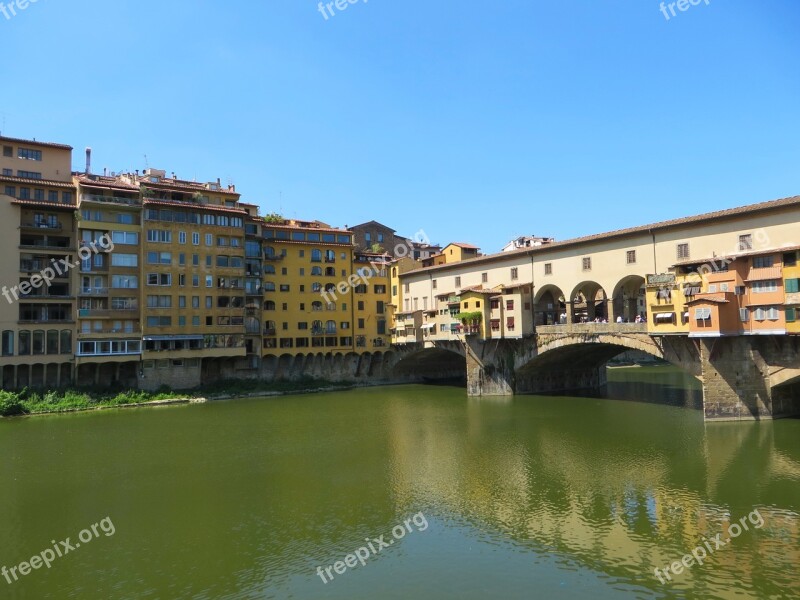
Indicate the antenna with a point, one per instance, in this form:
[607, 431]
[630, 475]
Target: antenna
[146, 164]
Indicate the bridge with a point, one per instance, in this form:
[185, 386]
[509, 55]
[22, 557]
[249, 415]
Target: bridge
[719, 294]
[742, 378]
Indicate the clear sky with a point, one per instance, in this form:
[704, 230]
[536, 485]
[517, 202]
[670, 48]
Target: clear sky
[474, 121]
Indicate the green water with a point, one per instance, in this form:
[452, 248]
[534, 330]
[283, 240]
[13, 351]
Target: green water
[531, 497]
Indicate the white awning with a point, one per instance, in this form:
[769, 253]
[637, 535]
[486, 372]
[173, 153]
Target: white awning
[665, 316]
[429, 326]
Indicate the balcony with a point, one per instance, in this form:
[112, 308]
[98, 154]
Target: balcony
[44, 244]
[108, 329]
[110, 200]
[104, 313]
[92, 268]
[51, 225]
[94, 292]
[274, 257]
[35, 266]
[270, 331]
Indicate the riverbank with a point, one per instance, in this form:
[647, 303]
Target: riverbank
[33, 403]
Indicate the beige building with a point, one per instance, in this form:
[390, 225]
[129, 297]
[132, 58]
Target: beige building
[598, 277]
[37, 311]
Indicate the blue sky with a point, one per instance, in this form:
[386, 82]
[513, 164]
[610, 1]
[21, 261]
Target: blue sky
[474, 121]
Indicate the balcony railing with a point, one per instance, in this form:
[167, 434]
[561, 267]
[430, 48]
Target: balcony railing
[52, 225]
[104, 313]
[94, 292]
[110, 329]
[269, 331]
[33, 266]
[109, 199]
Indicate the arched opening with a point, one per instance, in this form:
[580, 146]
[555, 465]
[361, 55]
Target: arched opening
[550, 306]
[579, 367]
[589, 303]
[629, 299]
[433, 365]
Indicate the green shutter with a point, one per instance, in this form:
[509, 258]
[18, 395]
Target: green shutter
[792, 286]
[790, 314]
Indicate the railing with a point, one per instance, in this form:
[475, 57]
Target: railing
[31, 266]
[54, 226]
[45, 296]
[96, 268]
[121, 330]
[269, 331]
[274, 257]
[104, 313]
[108, 199]
[42, 245]
[593, 328]
[94, 292]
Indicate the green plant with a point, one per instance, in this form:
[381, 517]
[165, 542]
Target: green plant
[470, 317]
[274, 218]
[10, 404]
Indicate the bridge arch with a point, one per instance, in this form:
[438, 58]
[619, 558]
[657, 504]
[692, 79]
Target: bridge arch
[588, 301]
[443, 361]
[550, 304]
[626, 298]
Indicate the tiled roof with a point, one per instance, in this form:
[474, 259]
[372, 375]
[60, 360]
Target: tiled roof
[100, 181]
[50, 205]
[194, 206]
[715, 299]
[793, 201]
[464, 245]
[181, 185]
[36, 182]
[21, 141]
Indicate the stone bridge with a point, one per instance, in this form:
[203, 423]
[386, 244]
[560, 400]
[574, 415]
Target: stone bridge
[743, 377]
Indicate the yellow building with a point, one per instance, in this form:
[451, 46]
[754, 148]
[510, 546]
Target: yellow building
[305, 309]
[37, 311]
[109, 301]
[372, 298]
[791, 286]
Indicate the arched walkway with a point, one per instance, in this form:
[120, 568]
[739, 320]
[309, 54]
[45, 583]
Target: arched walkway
[629, 298]
[588, 302]
[549, 305]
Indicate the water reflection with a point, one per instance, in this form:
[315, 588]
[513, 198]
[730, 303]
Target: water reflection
[526, 497]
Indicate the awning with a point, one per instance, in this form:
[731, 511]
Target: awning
[665, 316]
[428, 326]
[167, 338]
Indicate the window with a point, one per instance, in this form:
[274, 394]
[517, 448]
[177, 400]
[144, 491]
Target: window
[712, 288]
[587, 263]
[8, 343]
[683, 251]
[791, 314]
[11, 191]
[434, 284]
[509, 305]
[157, 258]
[159, 321]
[368, 236]
[630, 257]
[790, 259]
[159, 301]
[702, 314]
[27, 154]
[161, 236]
[195, 280]
[125, 237]
[8, 172]
[284, 287]
[762, 262]
[764, 287]
[181, 237]
[195, 321]
[744, 315]
[458, 283]
[548, 268]
[162, 279]
[746, 242]
[195, 238]
[514, 273]
[8, 151]
[792, 286]
[209, 281]
[124, 281]
[773, 314]
[380, 307]
[484, 277]
[510, 323]
[29, 174]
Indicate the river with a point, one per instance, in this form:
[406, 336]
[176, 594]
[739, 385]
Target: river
[524, 497]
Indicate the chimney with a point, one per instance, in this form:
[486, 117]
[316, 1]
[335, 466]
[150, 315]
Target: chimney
[88, 161]
[105, 171]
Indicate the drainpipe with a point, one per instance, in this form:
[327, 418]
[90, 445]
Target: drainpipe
[533, 296]
[655, 260]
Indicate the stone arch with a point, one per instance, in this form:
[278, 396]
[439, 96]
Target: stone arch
[438, 362]
[588, 301]
[628, 293]
[549, 305]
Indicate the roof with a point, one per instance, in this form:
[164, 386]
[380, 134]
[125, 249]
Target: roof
[37, 182]
[715, 299]
[373, 223]
[182, 185]
[791, 202]
[21, 141]
[463, 245]
[101, 181]
[194, 206]
[49, 205]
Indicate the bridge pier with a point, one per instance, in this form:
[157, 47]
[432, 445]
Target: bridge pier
[488, 373]
[736, 377]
